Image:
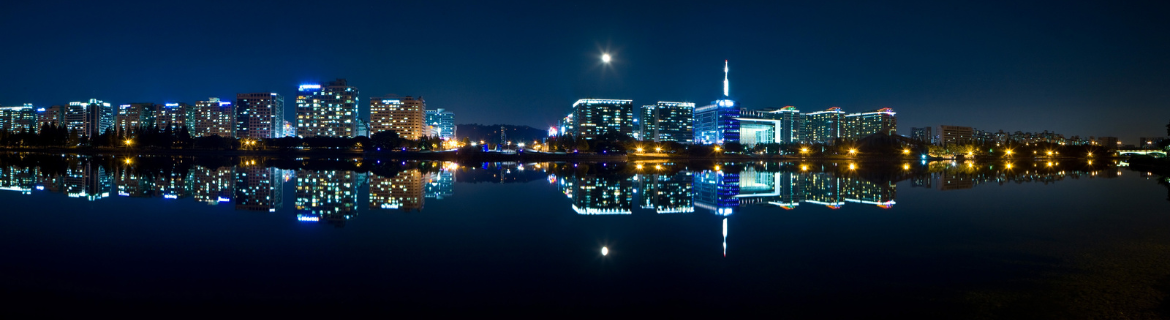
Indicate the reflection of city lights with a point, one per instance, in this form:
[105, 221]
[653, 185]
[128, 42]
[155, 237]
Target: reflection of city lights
[906, 167]
[852, 166]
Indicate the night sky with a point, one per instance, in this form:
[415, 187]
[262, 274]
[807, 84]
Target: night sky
[1084, 69]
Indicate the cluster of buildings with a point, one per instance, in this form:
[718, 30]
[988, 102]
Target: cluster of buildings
[722, 121]
[322, 110]
[945, 135]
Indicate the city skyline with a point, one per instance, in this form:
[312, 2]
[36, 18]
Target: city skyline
[1080, 69]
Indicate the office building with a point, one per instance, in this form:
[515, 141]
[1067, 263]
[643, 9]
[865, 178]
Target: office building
[668, 121]
[260, 115]
[769, 126]
[923, 134]
[328, 110]
[593, 117]
[18, 118]
[89, 118]
[52, 116]
[950, 135]
[440, 123]
[717, 122]
[863, 124]
[822, 126]
[406, 116]
[174, 116]
[214, 118]
[134, 116]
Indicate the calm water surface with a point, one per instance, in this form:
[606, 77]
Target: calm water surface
[977, 240]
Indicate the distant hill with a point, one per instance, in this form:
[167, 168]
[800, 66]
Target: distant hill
[491, 132]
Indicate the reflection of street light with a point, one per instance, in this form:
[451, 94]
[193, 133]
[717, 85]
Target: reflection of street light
[852, 166]
[716, 167]
[906, 166]
[905, 151]
[804, 167]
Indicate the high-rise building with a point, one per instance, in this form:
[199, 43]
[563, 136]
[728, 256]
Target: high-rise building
[717, 122]
[823, 126]
[18, 118]
[52, 116]
[214, 118]
[260, 115]
[769, 126]
[328, 111]
[593, 117]
[405, 115]
[90, 118]
[668, 121]
[440, 123]
[174, 116]
[134, 116]
[924, 134]
[948, 135]
[863, 124]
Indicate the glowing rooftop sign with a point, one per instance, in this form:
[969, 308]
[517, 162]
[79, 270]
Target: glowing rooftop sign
[172, 105]
[309, 87]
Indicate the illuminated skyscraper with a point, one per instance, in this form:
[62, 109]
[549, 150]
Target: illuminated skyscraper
[174, 116]
[716, 123]
[860, 125]
[260, 115]
[823, 126]
[18, 118]
[89, 118]
[213, 118]
[406, 116]
[133, 116]
[668, 122]
[328, 111]
[769, 126]
[441, 124]
[52, 116]
[593, 117]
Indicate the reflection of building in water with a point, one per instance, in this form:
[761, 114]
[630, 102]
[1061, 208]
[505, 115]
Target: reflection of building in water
[716, 191]
[666, 193]
[330, 195]
[130, 184]
[172, 185]
[85, 179]
[863, 191]
[18, 179]
[440, 184]
[722, 192]
[258, 188]
[212, 185]
[596, 195]
[402, 191]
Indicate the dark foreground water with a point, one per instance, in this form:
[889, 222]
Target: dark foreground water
[1060, 240]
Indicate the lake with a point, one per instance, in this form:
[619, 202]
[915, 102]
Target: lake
[1039, 239]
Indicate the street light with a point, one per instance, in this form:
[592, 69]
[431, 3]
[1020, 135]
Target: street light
[657, 149]
[717, 148]
[639, 149]
[905, 151]
[606, 58]
[852, 151]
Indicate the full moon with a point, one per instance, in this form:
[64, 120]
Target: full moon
[605, 57]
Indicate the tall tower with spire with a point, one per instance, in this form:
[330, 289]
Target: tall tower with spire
[717, 123]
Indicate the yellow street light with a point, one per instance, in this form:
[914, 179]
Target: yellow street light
[803, 167]
[852, 151]
[717, 148]
[906, 166]
[639, 166]
[129, 142]
[852, 166]
[657, 167]
[905, 151]
[658, 149]
[1008, 152]
[717, 168]
[803, 150]
[639, 149]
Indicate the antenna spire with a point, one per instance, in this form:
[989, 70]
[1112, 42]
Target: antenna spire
[725, 78]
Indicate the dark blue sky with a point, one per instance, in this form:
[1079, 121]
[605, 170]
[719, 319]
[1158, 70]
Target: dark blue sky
[1087, 68]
